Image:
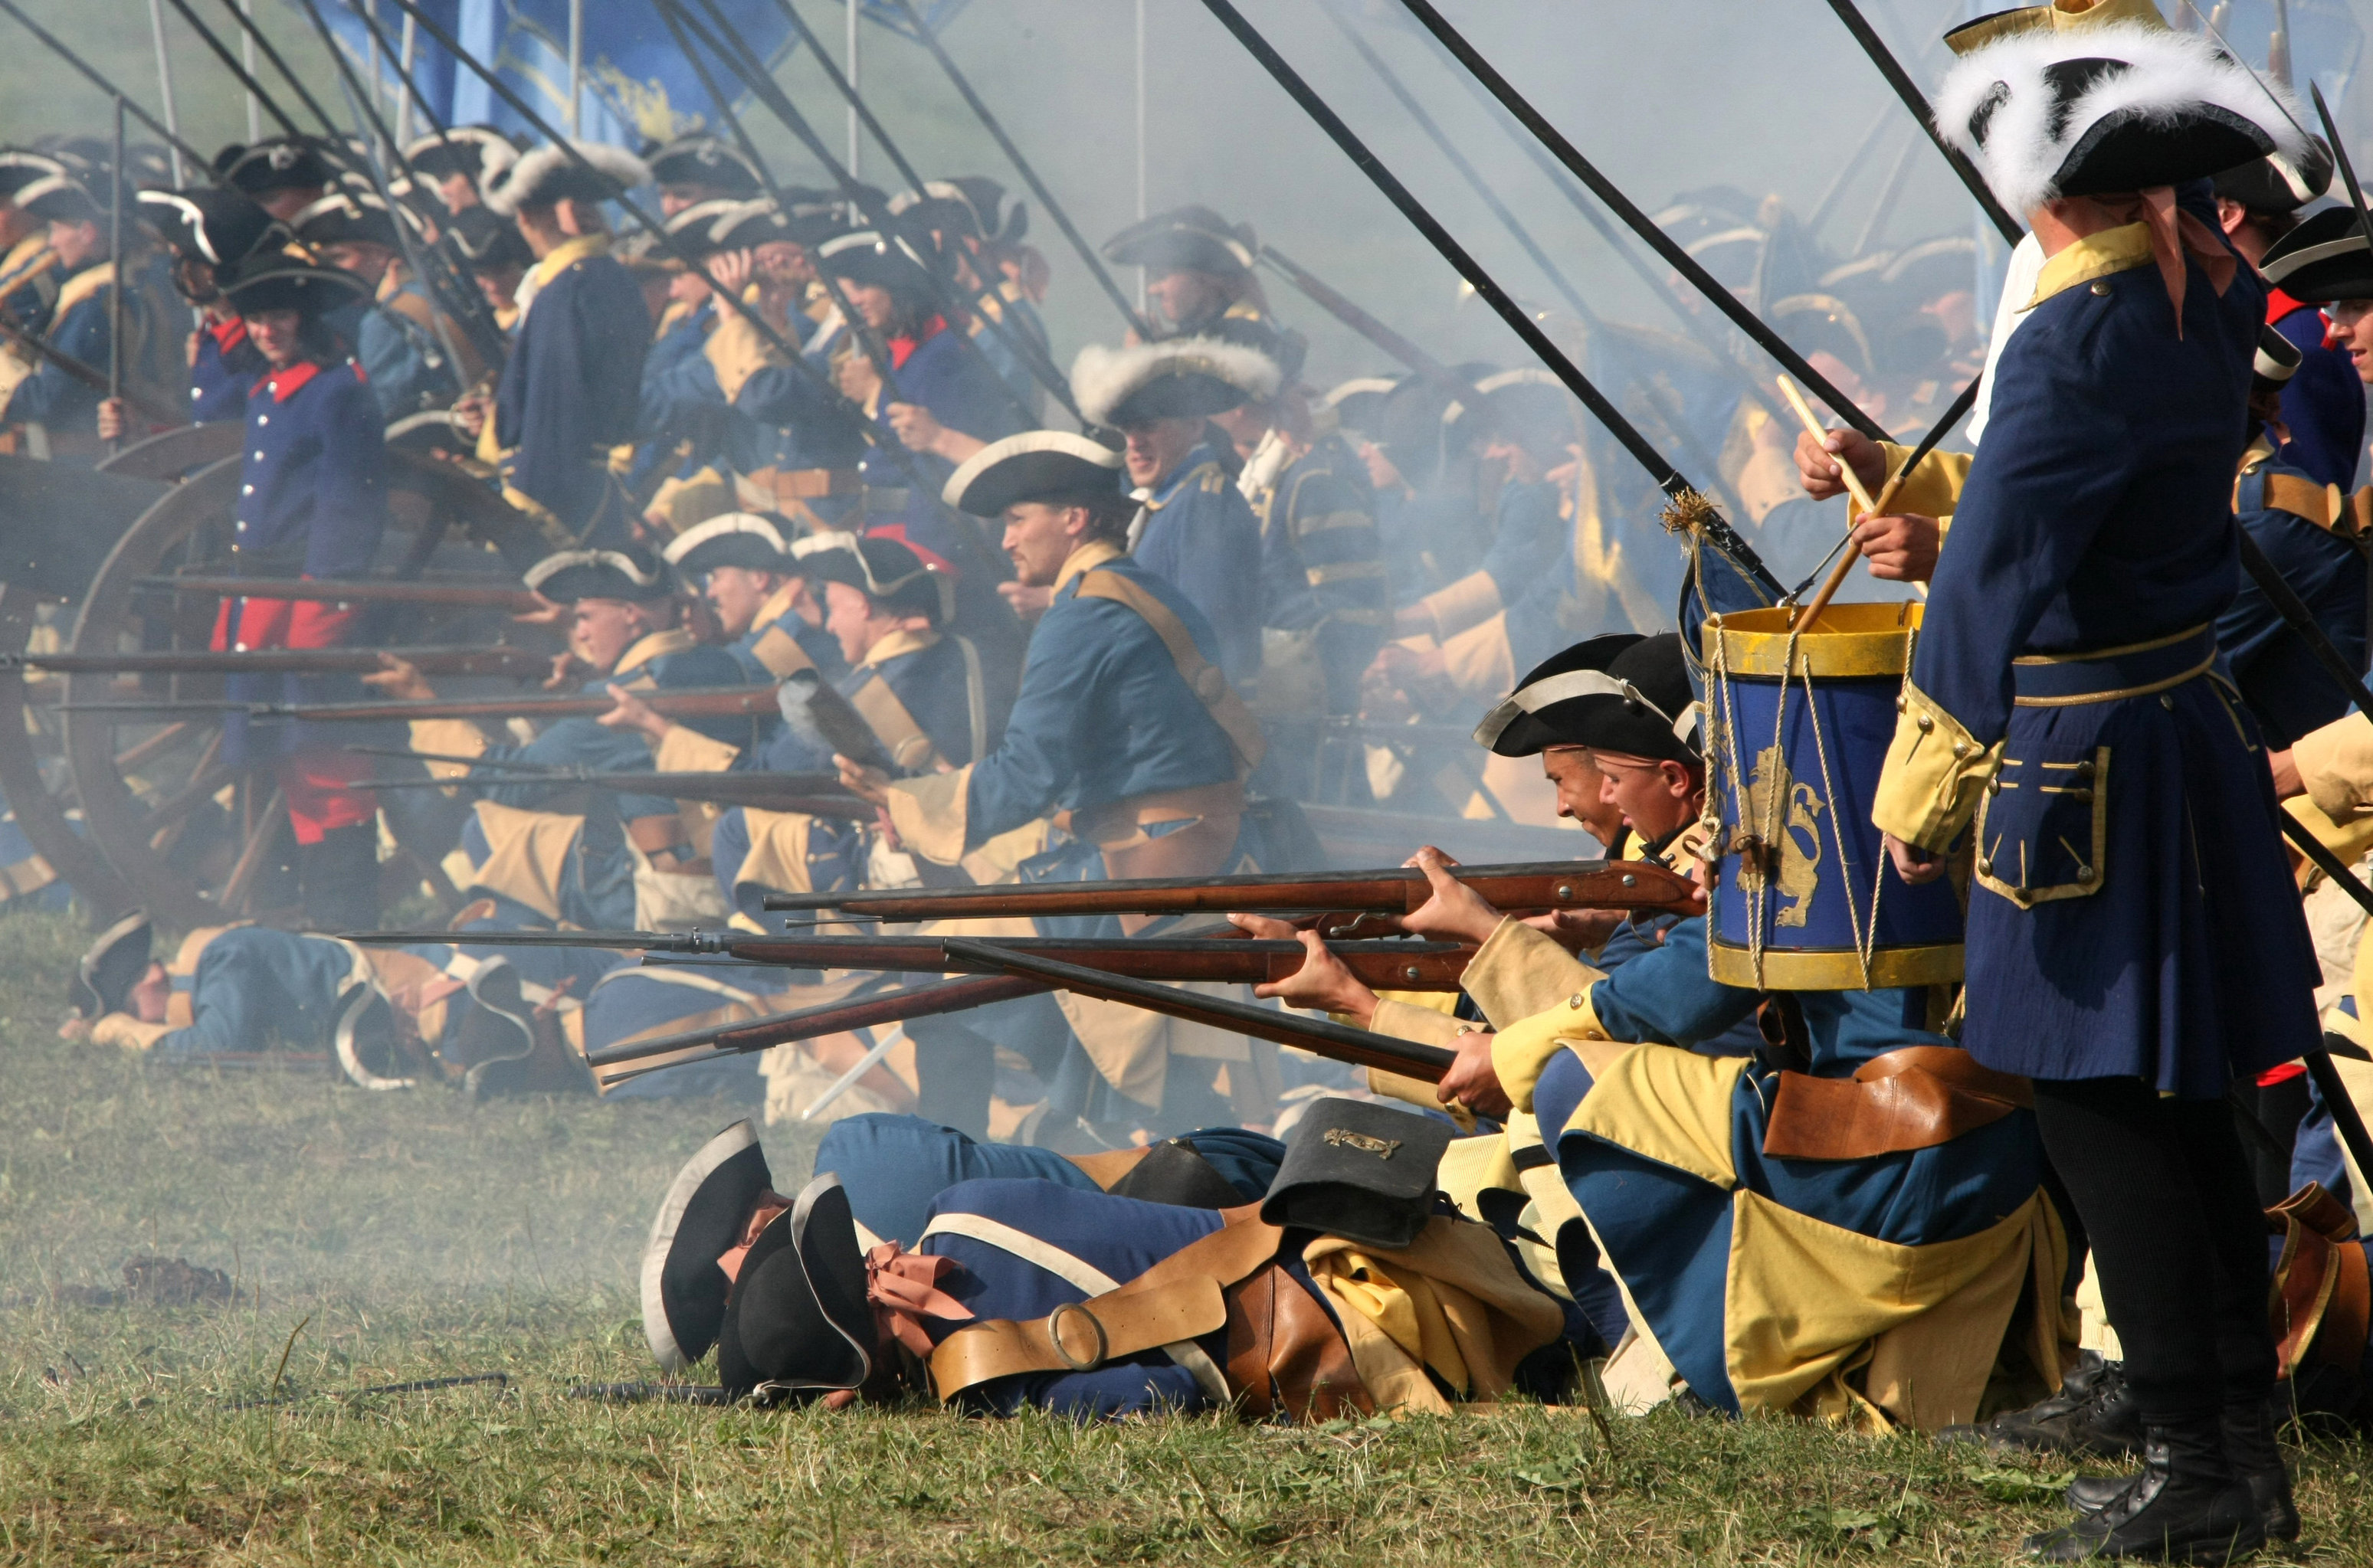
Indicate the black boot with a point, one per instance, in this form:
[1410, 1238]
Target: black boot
[2092, 1414]
[2189, 1504]
[2250, 1443]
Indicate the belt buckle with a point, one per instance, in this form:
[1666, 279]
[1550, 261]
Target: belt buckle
[1063, 1351]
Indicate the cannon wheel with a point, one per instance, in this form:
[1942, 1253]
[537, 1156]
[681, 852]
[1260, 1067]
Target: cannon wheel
[153, 791]
[35, 796]
[173, 453]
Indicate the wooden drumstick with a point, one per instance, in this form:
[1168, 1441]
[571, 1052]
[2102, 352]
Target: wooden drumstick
[1869, 507]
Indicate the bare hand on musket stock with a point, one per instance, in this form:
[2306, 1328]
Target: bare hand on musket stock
[866, 783]
[633, 713]
[1473, 1081]
[1455, 913]
[400, 679]
[1322, 984]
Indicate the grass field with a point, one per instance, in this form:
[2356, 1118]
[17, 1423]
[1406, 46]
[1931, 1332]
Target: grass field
[386, 1238]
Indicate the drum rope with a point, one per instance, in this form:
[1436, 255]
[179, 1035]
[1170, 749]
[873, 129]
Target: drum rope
[1756, 889]
[1865, 940]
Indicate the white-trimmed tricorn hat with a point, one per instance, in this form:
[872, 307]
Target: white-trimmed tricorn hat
[700, 1220]
[1038, 465]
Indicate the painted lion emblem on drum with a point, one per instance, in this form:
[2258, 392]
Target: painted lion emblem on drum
[1795, 843]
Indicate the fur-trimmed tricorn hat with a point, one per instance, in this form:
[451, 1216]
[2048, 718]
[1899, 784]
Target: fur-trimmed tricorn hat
[479, 151]
[1546, 707]
[2050, 111]
[1638, 703]
[211, 223]
[729, 539]
[889, 573]
[2322, 260]
[700, 1220]
[547, 174]
[704, 161]
[797, 1318]
[276, 163]
[1184, 239]
[1176, 377]
[629, 572]
[112, 966]
[1038, 465]
[275, 280]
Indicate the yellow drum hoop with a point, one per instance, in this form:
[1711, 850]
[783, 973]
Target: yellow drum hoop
[1850, 641]
[1835, 968]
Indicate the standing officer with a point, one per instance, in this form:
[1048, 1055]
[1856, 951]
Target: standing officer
[1199, 269]
[570, 388]
[2058, 697]
[312, 502]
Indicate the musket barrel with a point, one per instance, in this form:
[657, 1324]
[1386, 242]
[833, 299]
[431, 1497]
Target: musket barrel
[300, 661]
[1406, 966]
[1576, 884]
[813, 1023]
[360, 591]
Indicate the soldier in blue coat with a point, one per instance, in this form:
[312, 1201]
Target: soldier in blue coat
[81, 325]
[571, 387]
[1199, 269]
[1125, 734]
[2061, 696]
[210, 230]
[1194, 528]
[2323, 405]
[694, 170]
[284, 175]
[763, 595]
[29, 267]
[415, 355]
[551, 848]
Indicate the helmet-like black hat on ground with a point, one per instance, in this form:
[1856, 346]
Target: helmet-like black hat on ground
[700, 1219]
[276, 163]
[889, 573]
[708, 162]
[1176, 377]
[479, 151]
[275, 280]
[2322, 260]
[1184, 239]
[2052, 103]
[1053, 466]
[112, 966]
[1546, 707]
[1636, 703]
[547, 174]
[210, 223]
[629, 572]
[729, 539]
[797, 1318]
[1360, 1170]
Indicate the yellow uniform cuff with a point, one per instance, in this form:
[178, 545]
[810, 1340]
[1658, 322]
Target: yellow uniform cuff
[1474, 597]
[683, 750]
[2335, 763]
[930, 813]
[1934, 488]
[1934, 776]
[1520, 971]
[1523, 1050]
[736, 353]
[448, 738]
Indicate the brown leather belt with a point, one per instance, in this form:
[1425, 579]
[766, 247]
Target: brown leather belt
[1915, 1098]
[806, 484]
[2325, 505]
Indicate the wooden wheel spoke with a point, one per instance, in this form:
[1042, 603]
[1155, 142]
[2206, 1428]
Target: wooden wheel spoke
[261, 828]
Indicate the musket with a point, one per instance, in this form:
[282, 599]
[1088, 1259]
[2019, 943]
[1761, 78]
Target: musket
[204, 164]
[291, 661]
[1689, 502]
[89, 374]
[1429, 370]
[1917, 102]
[1639, 222]
[1054, 209]
[714, 702]
[357, 590]
[816, 794]
[1226, 956]
[1540, 885]
[891, 450]
[805, 1023]
[983, 302]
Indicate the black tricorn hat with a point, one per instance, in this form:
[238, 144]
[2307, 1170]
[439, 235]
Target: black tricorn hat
[2322, 260]
[345, 216]
[1546, 707]
[628, 572]
[276, 163]
[2277, 183]
[704, 161]
[1184, 239]
[485, 242]
[729, 539]
[1360, 1170]
[1038, 465]
[689, 228]
[2276, 362]
[19, 167]
[797, 1318]
[888, 572]
[273, 280]
[700, 1220]
[112, 966]
[866, 256]
[212, 222]
[1650, 711]
[479, 151]
[66, 198]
